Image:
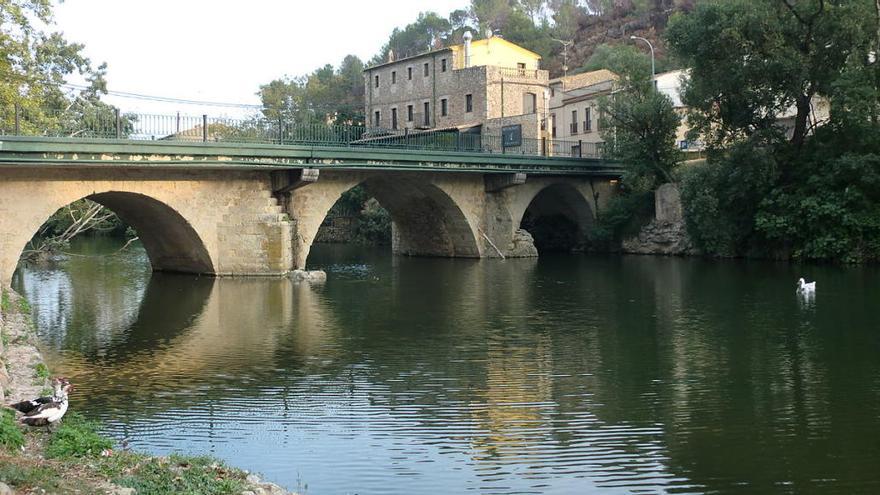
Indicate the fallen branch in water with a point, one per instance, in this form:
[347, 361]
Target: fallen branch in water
[101, 255]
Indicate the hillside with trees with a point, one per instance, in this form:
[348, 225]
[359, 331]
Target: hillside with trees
[588, 29]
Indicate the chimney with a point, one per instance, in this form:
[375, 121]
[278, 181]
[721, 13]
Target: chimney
[467, 48]
[390, 55]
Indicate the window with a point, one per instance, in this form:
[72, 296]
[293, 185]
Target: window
[576, 151]
[427, 112]
[588, 120]
[377, 80]
[521, 67]
[574, 122]
[444, 107]
[394, 119]
[409, 73]
[409, 113]
[529, 103]
[394, 77]
[377, 120]
[426, 69]
[552, 92]
[553, 129]
[442, 65]
[468, 103]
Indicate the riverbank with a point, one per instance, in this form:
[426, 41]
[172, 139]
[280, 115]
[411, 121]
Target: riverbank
[74, 458]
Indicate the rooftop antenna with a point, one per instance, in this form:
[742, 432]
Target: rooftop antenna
[565, 45]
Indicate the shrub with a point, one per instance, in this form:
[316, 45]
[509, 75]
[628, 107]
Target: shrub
[625, 214]
[832, 212]
[41, 371]
[183, 474]
[11, 436]
[720, 199]
[77, 437]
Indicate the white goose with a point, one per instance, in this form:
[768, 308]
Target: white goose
[806, 288]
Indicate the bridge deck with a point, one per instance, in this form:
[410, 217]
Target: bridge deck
[24, 151]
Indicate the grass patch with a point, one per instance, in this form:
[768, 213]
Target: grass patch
[181, 474]
[77, 437]
[5, 302]
[11, 436]
[74, 463]
[41, 371]
[27, 477]
[24, 306]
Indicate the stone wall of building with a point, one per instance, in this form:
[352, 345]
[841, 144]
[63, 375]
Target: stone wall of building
[506, 89]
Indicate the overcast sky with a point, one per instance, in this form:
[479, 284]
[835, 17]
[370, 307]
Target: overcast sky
[222, 50]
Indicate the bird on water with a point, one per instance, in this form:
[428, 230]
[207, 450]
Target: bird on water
[46, 411]
[805, 288]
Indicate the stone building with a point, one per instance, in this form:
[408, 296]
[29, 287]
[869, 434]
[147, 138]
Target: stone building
[574, 111]
[478, 87]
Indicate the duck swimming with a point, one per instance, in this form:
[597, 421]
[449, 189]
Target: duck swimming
[805, 288]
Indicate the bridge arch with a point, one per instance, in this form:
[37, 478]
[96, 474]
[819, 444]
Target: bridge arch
[171, 242]
[558, 215]
[426, 219]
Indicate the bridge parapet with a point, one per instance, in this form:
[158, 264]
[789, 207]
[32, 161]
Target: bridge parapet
[107, 124]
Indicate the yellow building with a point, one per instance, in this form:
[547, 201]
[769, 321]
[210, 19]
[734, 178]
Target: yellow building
[496, 52]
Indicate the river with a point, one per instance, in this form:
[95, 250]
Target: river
[562, 375]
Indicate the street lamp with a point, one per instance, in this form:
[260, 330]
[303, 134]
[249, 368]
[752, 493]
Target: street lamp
[565, 45]
[652, 54]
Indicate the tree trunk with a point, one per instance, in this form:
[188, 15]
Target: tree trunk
[800, 120]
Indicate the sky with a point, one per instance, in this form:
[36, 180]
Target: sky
[221, 51]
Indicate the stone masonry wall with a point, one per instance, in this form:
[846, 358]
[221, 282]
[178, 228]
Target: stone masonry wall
[231, 215]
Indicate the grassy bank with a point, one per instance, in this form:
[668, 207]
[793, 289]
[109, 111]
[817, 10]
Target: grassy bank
[75, 458]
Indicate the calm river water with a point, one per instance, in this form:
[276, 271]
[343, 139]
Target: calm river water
[569, 374]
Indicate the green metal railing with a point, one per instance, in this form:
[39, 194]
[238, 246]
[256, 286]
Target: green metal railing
[110, 123]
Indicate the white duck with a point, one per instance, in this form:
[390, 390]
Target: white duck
[805, 288]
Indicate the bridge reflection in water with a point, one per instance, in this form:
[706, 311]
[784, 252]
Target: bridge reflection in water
[405, 375]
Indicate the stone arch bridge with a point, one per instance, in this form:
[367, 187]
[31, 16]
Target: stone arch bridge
[221, 209]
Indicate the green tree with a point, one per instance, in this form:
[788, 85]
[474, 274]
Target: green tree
[639, 123]
[428, 32]
[753, 60]
[34, 65]
[811, 193]
[327, 95]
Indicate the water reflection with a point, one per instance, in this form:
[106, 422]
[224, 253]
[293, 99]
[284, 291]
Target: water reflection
[559, 375]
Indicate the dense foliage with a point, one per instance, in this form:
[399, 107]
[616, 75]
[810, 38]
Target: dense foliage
[779, 183]
[372, 222]
[34, 66]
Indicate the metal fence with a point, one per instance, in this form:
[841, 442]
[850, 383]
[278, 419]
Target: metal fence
[110, 123]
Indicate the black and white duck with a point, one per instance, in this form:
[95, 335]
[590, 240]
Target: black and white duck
[45, 411]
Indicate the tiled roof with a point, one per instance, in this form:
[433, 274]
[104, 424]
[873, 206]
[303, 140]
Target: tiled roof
[585, 79]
